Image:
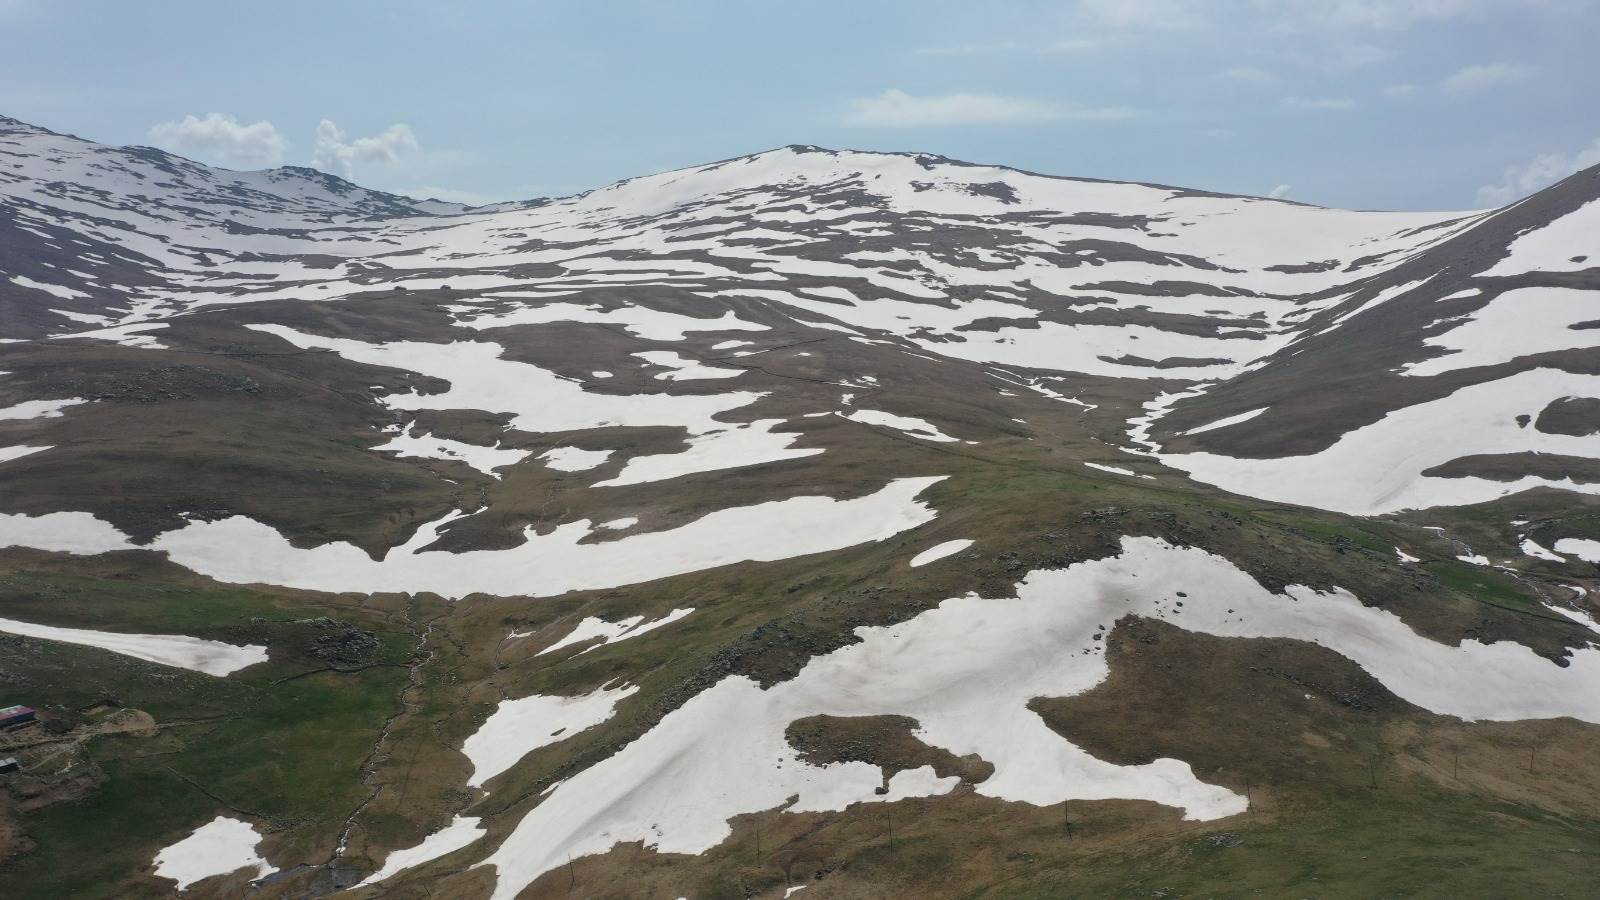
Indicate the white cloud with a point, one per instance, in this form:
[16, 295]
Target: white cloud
[1473, 78]
[1400, 90]
[1250, 75]
[895, 108]
[1541, 171]
[1158, 14]
[1355, 56]
[220, 138]
[1319, 103]
[968, 49]
[1381, 15]
[1279, 192]
[336, 154]
[1221, 134]
[1065, 46]
[1071, 45]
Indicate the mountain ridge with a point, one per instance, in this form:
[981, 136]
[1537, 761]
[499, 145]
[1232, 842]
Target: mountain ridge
[677, 537]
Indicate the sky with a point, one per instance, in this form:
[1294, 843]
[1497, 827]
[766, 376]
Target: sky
[1367, 104]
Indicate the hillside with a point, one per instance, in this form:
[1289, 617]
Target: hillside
[874, 523]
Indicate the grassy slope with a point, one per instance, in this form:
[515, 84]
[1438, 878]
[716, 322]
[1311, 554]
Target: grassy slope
[290, 752]
[286, 753]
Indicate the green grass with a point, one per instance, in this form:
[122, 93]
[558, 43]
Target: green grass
[1483, 585]
[288, 754]
[1414, 841]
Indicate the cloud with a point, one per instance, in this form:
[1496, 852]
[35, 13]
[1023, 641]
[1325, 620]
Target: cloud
[1279, 192]
[1250, 75]
[895, 108]
[1152, 14]
[1071, 45]
[220, 138]
[1541, 171]
[968, 49]
[1400, 90]
[1474, 78]
[1221, 134]
[1379, 15]
[1355, 56]
[1319, 103]
[336, 154]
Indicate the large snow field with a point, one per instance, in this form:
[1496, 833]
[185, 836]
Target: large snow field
[1520, 322]
[1558, 246]
[543, 402]
[540, 400]
[218, 847]
[243, 551]
[966, 671]
[1377, 469]
[177, 650]
[518, 727]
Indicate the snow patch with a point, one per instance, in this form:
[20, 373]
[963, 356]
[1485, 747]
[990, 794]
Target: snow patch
[218, 847]
[593, 628]
[518, 727]
[966, 672]
[177, 650]
[939, 551]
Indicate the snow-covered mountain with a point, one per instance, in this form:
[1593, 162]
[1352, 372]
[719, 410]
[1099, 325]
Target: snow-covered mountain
[754, 386]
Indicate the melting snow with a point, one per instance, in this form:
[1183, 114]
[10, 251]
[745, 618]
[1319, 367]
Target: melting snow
[940, 551]
[1118, 470]
[1518, 323]
[731, 447]
[1224, 423]
[1377, 469]
[917, 428]
[1532, 548]
[573, 459]
[459, 833]
[683, 369]
[218, 847]
[178, 650]
[128, 335]
[426, 446]
[966, 671]
[518, 727]
[640, 321]
[242, 551]
[38, 409]
[1582, 548]
[9, 453]
[55, 290]
[1576, 615]
[611, 632]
